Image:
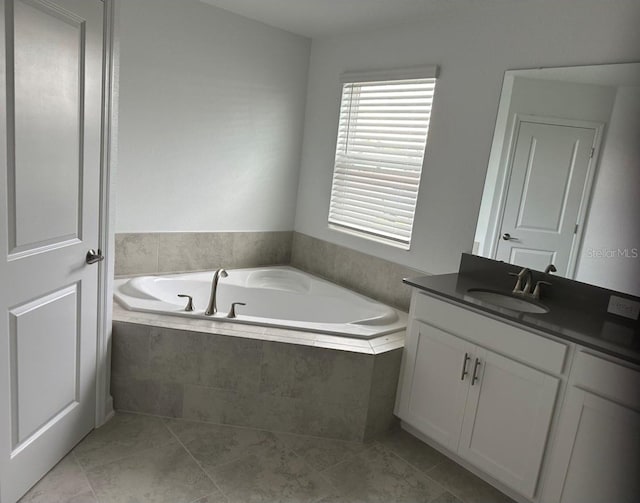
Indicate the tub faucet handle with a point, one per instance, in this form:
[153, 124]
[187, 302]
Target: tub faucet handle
[189, 306]
[232, 311]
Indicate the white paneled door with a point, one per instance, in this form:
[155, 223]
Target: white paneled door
[50, 149]
[546, 193]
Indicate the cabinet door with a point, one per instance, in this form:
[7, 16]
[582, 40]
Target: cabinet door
[437, 387]
[597, 453]
[507, 419]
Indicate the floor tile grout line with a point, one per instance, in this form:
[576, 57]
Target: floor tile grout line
[122, 458]
[229, 462]
[206, 496]
[391, 452]
[424, 472]
[227, 425]
[196, 462]
[330, 439]
[313, 468]
[418, 470]
[86, 477]
[452, 491]
[447, 487]
[324, 470]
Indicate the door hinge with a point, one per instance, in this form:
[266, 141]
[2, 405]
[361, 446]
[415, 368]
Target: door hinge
[575, 230]
[593, 151]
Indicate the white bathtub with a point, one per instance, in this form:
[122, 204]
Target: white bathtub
[275, 296]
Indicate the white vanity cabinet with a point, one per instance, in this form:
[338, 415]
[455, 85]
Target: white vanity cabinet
[596, 455]
[481, 388]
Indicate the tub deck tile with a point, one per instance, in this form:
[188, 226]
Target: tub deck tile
[273, 334]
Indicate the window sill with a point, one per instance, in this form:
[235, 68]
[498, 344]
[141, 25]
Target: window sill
[370, 237]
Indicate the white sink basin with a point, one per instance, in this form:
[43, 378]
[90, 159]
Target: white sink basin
[507, 301]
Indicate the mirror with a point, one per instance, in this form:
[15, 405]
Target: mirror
[563, 181]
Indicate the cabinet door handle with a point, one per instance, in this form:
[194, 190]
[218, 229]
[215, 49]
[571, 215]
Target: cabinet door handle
[475, 371]
[464, 366]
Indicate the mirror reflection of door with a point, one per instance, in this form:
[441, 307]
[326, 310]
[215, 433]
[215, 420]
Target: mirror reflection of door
[605, 249]
[547, 194]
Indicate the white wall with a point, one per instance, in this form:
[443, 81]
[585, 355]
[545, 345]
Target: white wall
[611, 246]
[211, 118]
[473, 47]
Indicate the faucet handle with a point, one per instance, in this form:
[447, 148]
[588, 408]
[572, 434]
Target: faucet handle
[536, 290]
[519, 288]
[189, 306]
[232, 311]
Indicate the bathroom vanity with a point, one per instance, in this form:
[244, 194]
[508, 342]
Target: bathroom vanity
[544, 406]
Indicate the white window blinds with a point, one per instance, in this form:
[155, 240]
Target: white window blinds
[379, 155]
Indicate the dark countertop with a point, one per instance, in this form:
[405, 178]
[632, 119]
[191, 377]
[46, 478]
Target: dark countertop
[589, 327]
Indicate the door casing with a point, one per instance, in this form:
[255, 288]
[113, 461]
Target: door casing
[111, 65]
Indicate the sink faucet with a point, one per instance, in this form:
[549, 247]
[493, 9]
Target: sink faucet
[523, 284]
[528, 290]
[212, 308]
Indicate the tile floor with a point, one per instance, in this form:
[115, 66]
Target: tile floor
[140, 459]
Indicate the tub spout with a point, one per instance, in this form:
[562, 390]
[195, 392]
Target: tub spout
[212, 307]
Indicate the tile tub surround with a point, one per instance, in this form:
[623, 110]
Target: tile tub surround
[247, 381]
[362, 273]
[157, 253]
[146, 459]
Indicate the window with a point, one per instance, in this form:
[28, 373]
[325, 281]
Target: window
[382, 133]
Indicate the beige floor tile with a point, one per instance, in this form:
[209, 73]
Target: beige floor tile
[213, 445]
[321, 453]
[272, 475]
[124, 435]
[166, 474]
[378, 475]
[465, 485]
[65, 483]
[412, 450]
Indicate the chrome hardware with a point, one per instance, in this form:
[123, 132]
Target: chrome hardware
[550, 268]
[464, 366]
[212, 308]
[507, 237]
[475, 371]
[94, 256]
[536, 290]
[189, 306]
[232, 311]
